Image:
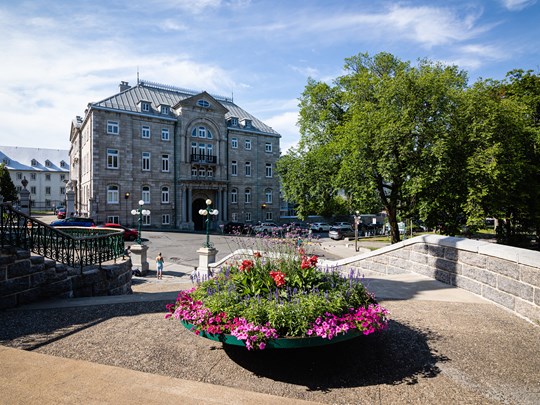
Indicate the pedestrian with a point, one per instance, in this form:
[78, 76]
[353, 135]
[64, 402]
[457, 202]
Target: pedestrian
[159, 266]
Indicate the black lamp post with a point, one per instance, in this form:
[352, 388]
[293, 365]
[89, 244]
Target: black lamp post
[140, 212]
[206, 213]
[126, 196]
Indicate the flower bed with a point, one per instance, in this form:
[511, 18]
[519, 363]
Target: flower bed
[260, 301]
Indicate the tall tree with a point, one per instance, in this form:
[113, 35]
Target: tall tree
[7, 188]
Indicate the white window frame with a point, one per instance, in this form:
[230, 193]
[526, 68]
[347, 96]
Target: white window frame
[145, 106]
[146, 220]
[268, 170]
[165, 198]
[248, 216]
[234, 168]
[48, 190]
[234, 143]
[247, 144]
[210, 172]
[234, 196]
[113, 194]
[234, 217]
[247, 196]
[145, 132]
[165, 135]
[248, 169]
[268, 196]
[113, 219]
[202, 172]
[113, 159]
[268, 147]
[145, 161]
[113, 127]
[194, 171]
[269, 216]
[165, 167]
[145, 194]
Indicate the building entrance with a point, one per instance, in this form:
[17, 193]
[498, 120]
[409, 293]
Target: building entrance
[198, 219]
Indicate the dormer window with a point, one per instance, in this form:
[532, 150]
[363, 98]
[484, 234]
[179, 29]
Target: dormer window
[5, 161]
[144, 106]
[48, 163]
[247, 123]
[63, 164]
[164, 109]
[203, 103]
[233, 121]
[34, 162]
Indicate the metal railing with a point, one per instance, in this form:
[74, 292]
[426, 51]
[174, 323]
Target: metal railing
[200, 158]
[73, 246]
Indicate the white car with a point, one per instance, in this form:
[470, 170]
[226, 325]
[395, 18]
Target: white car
[342, 224]
[320, 227]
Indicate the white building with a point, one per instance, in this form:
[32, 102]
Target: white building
[46, 170]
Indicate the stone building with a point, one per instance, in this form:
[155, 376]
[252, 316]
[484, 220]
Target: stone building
[46, 170]
[173, 149]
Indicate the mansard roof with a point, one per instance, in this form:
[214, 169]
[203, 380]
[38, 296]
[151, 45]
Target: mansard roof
[20, 158]
[159, 94]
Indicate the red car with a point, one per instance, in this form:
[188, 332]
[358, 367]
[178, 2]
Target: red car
[129, 234]
[61, 213]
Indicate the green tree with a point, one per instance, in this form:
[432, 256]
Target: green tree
[7, 188]
[384, 128]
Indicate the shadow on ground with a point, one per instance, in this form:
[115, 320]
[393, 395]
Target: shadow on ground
[400, 355]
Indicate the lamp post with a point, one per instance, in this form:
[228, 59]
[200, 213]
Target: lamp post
[140, 212]
[126, 196]
[357, 219]
[206, 213]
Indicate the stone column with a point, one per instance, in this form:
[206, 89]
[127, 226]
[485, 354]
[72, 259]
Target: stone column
[24, 197]
[70, 200]
[139, 258]
[207, 255]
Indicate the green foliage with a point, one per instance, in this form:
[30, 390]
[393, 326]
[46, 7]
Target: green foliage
[7, 188]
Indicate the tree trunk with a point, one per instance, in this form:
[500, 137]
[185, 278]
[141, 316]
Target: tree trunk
[394, 228]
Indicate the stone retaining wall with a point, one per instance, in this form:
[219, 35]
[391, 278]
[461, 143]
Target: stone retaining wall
[505, 275]
[25, 278]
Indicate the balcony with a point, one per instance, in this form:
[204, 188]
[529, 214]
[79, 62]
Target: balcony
[198, 158]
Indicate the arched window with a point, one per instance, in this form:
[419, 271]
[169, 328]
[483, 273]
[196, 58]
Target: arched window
[112, 194]
[145, 196]
[268, 196]
[247, 196]
[164, 195]
[201, 132]
[234, 196]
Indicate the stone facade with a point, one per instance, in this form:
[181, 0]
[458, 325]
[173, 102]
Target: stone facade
[26, 278]
[173, 149]
[507, 276]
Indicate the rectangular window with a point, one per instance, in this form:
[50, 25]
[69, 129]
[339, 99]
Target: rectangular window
[247, 196]
[146, 219]
[269, 216]
[165, 195]
[234, 168]
[62, 177]
[33, 176]
[268, 170]
[202, 148]
[62, 190]
[33, 189]
[202, 172]
[113, 127]
[19, 176]
[166, 219]
[248, 169]
[209, 150]
[268, 196]
[164, 134]
[165, 109]
[210, 172]
[193, 148]
[145, 132]
[247, 144]
[113, 219]
[146, 161]
[47, 190]
[145, 107]
[234, 196]
[48, 177]
[268, 147]
[146, 194]
[234, 143]
[164, 163]
[234, 217]
[112, 158]
[248, 216]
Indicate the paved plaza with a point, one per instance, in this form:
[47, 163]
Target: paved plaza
[443, 346]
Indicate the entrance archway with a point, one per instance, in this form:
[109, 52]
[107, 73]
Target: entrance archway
[198, 219]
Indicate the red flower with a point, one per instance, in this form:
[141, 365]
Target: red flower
[257, 254]
[279, 277]
[246, 265]
[313, 260]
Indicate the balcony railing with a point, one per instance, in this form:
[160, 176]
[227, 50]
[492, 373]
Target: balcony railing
[199, 158]
[73, 246]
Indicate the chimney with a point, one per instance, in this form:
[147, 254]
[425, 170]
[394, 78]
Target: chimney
[124, 86]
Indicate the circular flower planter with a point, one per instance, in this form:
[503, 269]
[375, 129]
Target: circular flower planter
[280, 343]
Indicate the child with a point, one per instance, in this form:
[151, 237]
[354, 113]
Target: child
[159, 266]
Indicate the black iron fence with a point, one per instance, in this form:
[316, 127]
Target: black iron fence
[73, 246]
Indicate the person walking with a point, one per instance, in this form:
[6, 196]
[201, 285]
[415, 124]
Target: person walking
[159, 266]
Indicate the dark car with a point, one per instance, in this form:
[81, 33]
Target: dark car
[129, 233]
[340, 232]
[236, 228]
[74, 221]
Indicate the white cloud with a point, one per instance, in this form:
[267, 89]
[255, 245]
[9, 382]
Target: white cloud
[285, 124]
[517, 5]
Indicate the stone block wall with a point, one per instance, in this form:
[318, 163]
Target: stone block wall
[508, 276]
[26, 278]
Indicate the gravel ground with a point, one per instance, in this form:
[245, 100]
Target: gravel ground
[433, 352]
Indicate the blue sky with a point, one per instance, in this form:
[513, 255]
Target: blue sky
[57, 56]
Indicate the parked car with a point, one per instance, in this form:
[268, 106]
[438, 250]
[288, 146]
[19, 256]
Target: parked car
[342, 224]
[236, 228]
[340, 232]
[129, 233]
[320, 226]
[74, 221]
[61, 213]
[266, 228]
[297, 228]
[58, 207]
